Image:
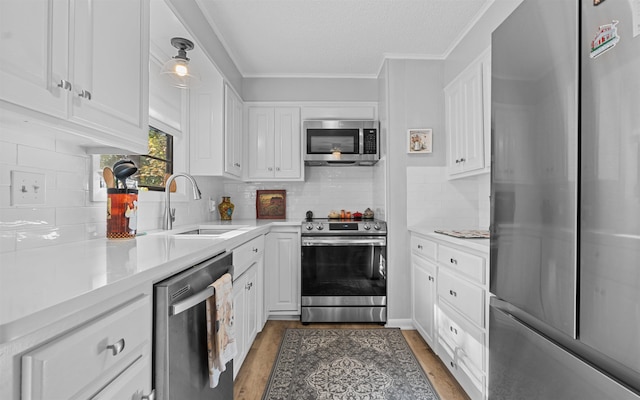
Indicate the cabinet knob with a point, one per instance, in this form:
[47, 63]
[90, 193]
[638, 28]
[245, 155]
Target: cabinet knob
[255, 250]
[66, 85]
[150, 396]
[117, 347]
[85, 94]
[452, 293]
[236, 165]
[277, 168]
[462, 160]
[419, 247]
[431, 278]
[454, 261]
[270, 169]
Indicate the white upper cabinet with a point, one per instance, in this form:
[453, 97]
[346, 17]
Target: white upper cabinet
[206, 105]
[84, 63]
[467, 114]
[232, 133]
[274, 143]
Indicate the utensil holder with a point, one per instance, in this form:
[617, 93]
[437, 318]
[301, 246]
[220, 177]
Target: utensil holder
[122, 213]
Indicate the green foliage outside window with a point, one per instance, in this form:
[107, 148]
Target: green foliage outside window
[153, 166]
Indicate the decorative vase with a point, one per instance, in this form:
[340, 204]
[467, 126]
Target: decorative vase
[226, 208]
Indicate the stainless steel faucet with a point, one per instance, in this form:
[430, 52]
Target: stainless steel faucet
[170, 213]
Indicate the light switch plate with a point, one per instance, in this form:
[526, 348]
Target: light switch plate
[27, 188]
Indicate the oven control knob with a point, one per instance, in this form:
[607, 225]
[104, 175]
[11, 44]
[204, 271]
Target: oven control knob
[319, 227]
[309, 226]
[366, 226]
[376, 227]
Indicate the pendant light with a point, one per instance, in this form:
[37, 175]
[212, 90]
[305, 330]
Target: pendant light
[177, 70]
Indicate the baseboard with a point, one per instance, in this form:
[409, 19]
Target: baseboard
[404, 324]
[284, 317]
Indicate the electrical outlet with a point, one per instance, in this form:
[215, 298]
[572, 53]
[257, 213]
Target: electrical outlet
[27, 188]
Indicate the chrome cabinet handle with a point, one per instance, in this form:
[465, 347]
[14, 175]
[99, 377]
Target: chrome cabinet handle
[452, 293]
[277, 168]
[270, 169]
[454, 261]
[117, 347]
[454, 330]
[236, 165]
[66, 85]
[419, 247]
[254, 250]
[462, 160]
[85, 94]
[431, 278]
[248, 286]
[150, 396]
[452, 364]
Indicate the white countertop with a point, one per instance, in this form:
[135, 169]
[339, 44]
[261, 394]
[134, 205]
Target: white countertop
[481, 245]
[43, 285]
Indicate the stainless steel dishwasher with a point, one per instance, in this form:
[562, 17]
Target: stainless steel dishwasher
[180, 367]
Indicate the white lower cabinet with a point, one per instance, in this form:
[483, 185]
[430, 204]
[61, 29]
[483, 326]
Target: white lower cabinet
[450, 307]
[282, 271]
[248, 266]
[245, 303]
[109, 357]
[424, 297]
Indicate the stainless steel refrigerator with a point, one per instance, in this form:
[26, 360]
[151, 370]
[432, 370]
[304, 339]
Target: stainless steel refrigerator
[565, 202]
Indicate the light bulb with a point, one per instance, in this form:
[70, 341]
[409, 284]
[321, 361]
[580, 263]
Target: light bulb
[181, 70]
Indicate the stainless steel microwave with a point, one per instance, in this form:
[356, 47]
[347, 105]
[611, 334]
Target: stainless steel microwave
[346, 142]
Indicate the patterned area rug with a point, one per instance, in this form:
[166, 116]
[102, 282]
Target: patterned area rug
[347, 364]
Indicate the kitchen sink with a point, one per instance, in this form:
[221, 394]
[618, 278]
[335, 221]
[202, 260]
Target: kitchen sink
[211, 231]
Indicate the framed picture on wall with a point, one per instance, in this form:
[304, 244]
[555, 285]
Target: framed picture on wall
[419, 141]
[271, 204]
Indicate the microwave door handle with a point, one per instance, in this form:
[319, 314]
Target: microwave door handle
[191, 301]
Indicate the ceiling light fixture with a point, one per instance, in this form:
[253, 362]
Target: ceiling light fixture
[177, 69]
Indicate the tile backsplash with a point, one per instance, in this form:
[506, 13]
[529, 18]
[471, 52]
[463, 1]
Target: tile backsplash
[324, 189]
[68, 214]
[436, 202]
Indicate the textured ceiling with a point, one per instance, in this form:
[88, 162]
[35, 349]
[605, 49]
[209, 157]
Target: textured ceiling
[336, 38]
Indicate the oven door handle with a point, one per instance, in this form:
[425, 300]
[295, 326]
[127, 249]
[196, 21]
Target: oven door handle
[344, 242]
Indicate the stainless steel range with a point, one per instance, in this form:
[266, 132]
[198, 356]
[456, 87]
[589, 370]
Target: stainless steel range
[344, 271]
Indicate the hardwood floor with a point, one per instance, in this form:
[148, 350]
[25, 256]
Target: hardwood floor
[254, 374]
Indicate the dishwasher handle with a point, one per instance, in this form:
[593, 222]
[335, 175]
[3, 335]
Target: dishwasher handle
[191, 301]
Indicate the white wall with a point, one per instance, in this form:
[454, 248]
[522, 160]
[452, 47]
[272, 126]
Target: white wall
[68, 214]
[413, 98]
[309, 89]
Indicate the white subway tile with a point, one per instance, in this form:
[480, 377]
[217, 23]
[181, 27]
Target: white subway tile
[81, 215]
[26, 218]
[8, 153]
[26, 135]
[46, 159]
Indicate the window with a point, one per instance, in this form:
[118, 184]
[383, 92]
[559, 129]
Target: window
[152, 167]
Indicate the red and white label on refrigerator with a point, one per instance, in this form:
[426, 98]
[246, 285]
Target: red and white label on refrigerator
[606, 38]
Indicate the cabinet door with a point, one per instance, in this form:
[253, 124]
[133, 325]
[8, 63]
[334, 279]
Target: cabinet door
[206, 127]
[232, 133]
[424, 298]
[453, 115]
[240, 311]
[472, 129]
[110, 67]
[132, 384]
[34, 53]
[282, 257]
[251, 302]
[288, 154]
[261, 142]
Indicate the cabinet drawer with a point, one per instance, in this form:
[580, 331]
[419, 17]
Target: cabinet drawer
[64, 368]
[459, 334]
[457, 364]
[465, 263]
[423, 247]
[465, 297]
[245, 254]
